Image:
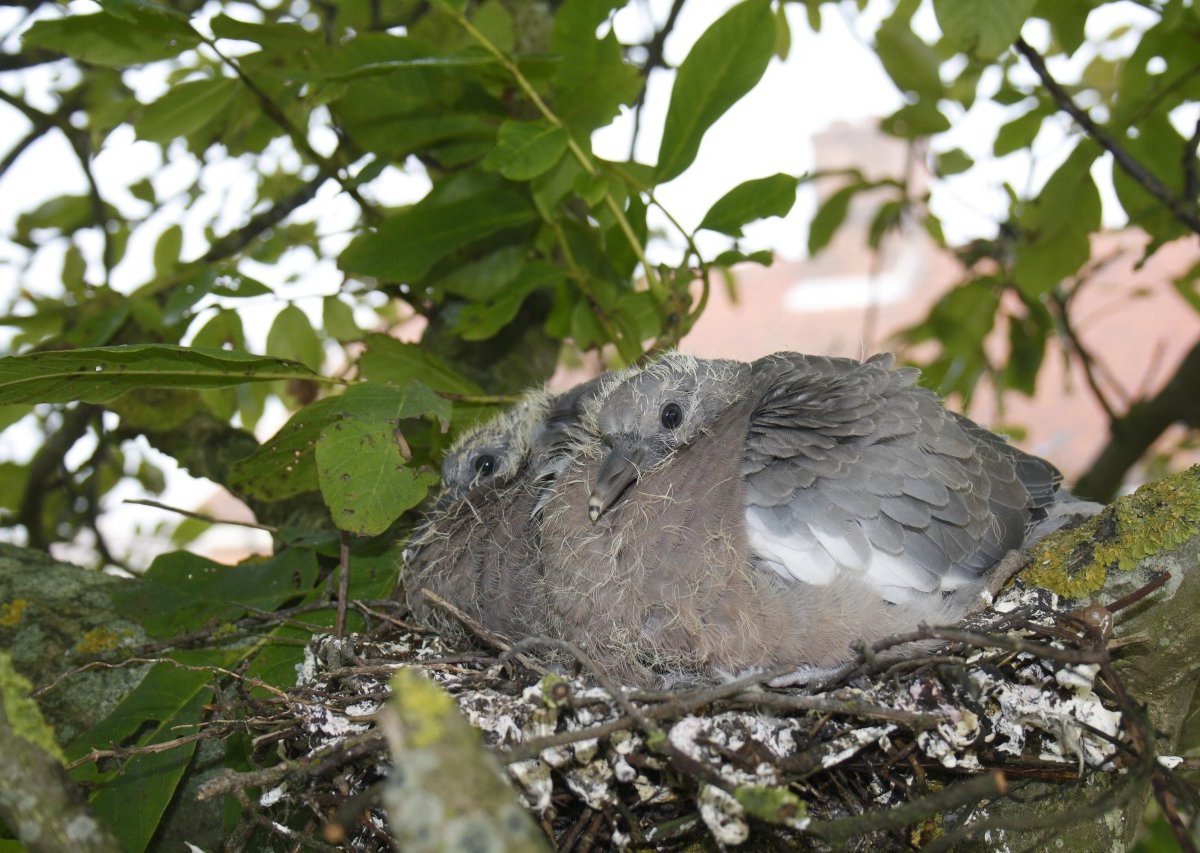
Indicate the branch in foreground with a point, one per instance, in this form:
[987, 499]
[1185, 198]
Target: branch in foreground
[38, 801]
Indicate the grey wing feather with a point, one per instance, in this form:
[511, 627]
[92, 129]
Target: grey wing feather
[851, 462]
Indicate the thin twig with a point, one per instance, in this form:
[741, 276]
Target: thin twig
[1182, 209]
[200, 516]
[343, 593]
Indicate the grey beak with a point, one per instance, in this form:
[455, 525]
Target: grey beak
[621, 468]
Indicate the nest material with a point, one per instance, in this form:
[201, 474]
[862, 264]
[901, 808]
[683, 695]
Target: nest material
[884, 754]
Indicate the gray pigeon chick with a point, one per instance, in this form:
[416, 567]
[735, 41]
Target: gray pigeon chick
[533, 431]
[747, 516]
[479, 549]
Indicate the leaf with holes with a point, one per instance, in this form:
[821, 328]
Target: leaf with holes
[364, 476]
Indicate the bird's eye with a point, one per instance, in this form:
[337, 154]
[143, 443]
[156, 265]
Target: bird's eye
[485, 464]
[672, 415]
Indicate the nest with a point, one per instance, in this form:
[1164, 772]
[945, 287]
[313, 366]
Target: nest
[889, 751]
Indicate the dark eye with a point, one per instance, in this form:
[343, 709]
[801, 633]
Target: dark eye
[672, 415]
[485, 464]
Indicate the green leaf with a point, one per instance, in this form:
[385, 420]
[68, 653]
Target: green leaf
[395, 362]
[755, 199]
[585, 328]
[485, 277]
[910, 62]
[593, 80]
[830, 215]
[101, 374]
[886, 218]
[916, 120]
[725, 63]
[183, 592]
[526, 149]
[1188, 286]
[982, 29]
[1054, 246]
[1019, 132]
[1067, 19]
[338, 320]
[223, 329]
[552, 187]
[480, 320]
[65, 213]
[952, 162]
[960, 321]
[106, 39]
[166, 250]
[783, 33]
[167, 704]
[364, 476]
[763, 257]
[1026, 349]
[185, 109]
[293, 337]
[496, 24]
[1160, 150]
[285, 465]
[405, 246]
[238, 286]
[591, 188]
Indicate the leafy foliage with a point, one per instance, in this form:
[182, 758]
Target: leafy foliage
[524, 247]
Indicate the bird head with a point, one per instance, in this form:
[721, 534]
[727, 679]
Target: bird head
[494, 452]
[642, 416]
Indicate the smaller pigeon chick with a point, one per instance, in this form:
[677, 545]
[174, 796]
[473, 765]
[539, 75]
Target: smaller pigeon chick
[535, 431]
[479, 548]
[495, 451]
[744, 516]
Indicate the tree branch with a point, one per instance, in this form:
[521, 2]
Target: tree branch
[47, 467]
[1132, 434]
[235, 241]
[35, 792]
[1182, 209]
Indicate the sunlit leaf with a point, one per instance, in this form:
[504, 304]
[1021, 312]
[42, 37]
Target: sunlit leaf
[101, 374]
[724, 64]
[293, 337]
[594, 80]
[982, 29]
[755, 199]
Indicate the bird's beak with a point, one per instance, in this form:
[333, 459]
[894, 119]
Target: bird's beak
[621, 468]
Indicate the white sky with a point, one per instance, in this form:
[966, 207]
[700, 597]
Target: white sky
[828, 77]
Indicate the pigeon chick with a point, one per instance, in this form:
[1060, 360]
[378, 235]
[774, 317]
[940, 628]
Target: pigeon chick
[732, 516]
[479, 548]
